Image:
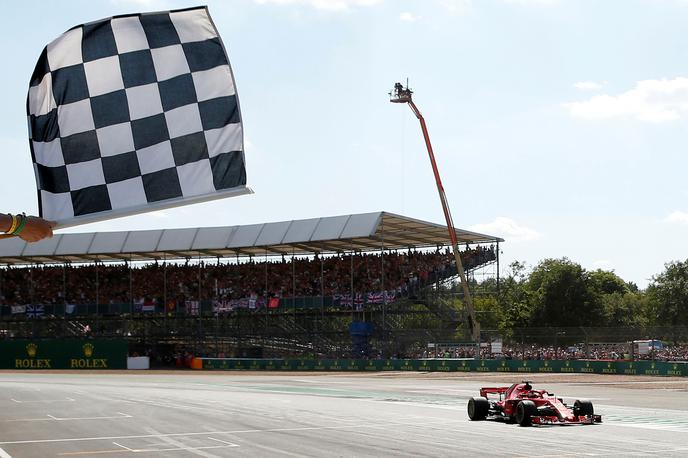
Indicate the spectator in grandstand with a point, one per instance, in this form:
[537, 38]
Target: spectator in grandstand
[27, 228]
[606, 352]
[236, 284]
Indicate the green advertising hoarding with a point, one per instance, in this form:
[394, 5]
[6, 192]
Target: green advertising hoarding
[63, 354]
[454, 365]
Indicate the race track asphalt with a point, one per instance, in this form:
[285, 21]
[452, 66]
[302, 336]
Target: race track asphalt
[315, 415]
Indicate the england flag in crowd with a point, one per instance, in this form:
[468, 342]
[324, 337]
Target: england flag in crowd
[359, 301]
[134, 113]
[192, 307]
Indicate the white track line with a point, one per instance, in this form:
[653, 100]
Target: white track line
[273, 451]
[53, 418]
[240, 431]
[43, 401]
[229, 444]
[125, 448]
[4, 454]
[181, 445]
[121, 415]
[190, 449]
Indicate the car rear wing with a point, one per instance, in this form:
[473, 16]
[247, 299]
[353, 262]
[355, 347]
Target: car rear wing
[493, 390]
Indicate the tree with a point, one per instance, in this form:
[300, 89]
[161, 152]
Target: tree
[668, 295]
[489, 311]
[606, 282]
[624, 310]
[560, 293]
[514, 300]
[562, 296]
[621, 303]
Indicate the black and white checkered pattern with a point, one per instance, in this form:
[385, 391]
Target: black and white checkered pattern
[132, 111]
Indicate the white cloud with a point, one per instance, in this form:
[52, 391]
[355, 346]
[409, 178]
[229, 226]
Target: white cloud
[508, 229]
[326, 5]
[456, 6]
[650, 100]
[408, 17]
[677, 217]
[588, 85]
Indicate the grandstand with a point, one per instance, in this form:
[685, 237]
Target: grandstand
[352, 285]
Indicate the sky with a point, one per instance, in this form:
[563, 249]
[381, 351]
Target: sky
[558, 125]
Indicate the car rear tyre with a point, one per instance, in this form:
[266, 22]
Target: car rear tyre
[524, 413]
[478, 408]
[583, 407]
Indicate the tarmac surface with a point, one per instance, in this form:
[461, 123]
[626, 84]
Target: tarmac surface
[227, 414]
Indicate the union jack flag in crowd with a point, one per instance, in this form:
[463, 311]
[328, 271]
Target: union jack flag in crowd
[345, 300]
[375, 298]
[34, 311]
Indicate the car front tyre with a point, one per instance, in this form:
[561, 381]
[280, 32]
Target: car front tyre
[524, 413]
[583, 407]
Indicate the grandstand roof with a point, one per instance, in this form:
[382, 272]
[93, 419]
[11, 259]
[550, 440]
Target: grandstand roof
[365, 231]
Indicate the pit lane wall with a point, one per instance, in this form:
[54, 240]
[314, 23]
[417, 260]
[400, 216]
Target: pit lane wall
[64, 354]
[448, 365]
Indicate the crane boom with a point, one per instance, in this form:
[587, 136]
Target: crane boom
[403, 95]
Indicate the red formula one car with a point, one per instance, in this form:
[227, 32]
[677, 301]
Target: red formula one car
[526, 406]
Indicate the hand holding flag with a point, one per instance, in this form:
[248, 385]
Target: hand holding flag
[27, 228]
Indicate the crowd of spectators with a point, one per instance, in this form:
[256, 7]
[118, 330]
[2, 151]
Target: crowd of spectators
[603, 352]
[282, 277]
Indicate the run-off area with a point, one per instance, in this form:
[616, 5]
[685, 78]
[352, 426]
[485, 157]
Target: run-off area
[232, 414]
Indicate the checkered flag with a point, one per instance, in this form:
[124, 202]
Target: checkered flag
[134, 113]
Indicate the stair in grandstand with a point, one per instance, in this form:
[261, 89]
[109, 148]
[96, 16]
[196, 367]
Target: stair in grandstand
[75, 328]
[448, 280]
[268, 347]
[446, 312]
[289, 326]
[443, 305]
